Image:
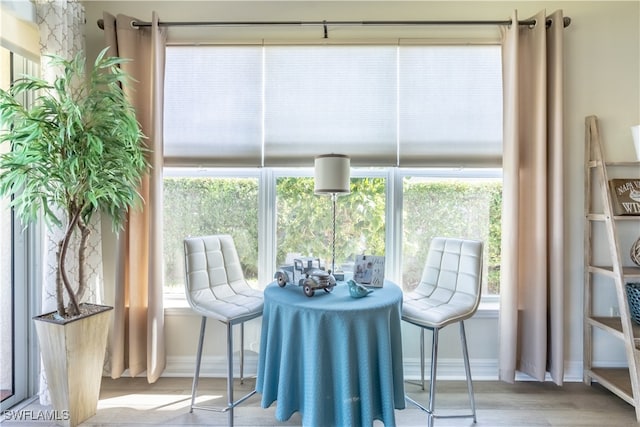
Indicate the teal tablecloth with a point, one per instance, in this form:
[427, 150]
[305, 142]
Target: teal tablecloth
[335, 359]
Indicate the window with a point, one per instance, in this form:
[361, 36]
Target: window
[449, 203]
[199, 203]
[6, 268]
[305, 221]
[16, 273]
[421, 123]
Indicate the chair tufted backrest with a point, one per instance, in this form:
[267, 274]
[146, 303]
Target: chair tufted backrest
[450, 286]
[214, 284]
[452, 265]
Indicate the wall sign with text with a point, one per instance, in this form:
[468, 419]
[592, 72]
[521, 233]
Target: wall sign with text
[625, 196]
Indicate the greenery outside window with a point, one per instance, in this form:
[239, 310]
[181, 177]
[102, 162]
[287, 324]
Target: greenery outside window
[304, 221]
[199, 203]
[274, 217]
[451, 203]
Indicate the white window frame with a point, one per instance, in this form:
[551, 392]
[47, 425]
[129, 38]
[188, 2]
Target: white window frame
[267, 220]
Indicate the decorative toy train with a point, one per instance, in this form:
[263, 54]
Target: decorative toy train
[308, 273]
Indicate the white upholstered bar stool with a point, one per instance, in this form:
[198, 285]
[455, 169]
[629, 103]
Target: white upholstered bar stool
[215, 287]
[448, 292]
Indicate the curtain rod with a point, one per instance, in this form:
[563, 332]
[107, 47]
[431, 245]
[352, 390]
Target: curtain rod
[325, 24]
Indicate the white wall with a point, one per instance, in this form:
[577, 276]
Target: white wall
[602, 77]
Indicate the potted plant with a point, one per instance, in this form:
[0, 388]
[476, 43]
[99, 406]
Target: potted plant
[76, 150]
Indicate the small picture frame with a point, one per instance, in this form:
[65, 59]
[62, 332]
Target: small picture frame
[625, 196]
[368, 270]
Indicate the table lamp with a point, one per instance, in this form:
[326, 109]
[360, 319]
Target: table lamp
[331, 177]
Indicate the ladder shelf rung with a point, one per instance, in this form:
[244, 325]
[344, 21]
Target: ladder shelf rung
[616, 380]
[602, 217]
[613, 325]
[629, 273]
[596, 163]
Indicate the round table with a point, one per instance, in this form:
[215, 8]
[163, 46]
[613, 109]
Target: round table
[335, 359]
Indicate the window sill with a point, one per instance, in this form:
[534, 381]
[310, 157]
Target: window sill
[177, 305]
[488, 310]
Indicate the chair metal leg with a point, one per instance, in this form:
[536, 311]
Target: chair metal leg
[422, 357]
[230, 402]
[230, 372]
[422, 362]
[467, 368]
[430, 409]
[241, 353]
[196, 375]
[432, 380]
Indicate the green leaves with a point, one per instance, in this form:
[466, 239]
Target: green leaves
[77, 148]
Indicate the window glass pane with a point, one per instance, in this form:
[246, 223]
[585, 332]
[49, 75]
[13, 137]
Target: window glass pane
[196, 206]
[213, 106]
[15, 268]
[450, 105]
[6, 301]
[305, 221]
[324, 99]
[6, 266]
[451, 207]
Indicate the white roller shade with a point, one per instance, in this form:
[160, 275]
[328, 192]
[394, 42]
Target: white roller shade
[213, 106]
[382, 105]
[323, 99]
[450, 106]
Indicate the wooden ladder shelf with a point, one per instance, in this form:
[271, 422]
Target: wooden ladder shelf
[624, 382]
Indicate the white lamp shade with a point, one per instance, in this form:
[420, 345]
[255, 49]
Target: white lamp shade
[331, 175]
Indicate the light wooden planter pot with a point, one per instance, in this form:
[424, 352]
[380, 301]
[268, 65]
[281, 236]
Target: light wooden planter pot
[73, 354]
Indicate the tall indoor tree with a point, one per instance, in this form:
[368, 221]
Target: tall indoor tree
[76, 150]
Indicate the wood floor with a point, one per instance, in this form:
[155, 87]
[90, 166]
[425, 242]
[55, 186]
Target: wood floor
[132, 402]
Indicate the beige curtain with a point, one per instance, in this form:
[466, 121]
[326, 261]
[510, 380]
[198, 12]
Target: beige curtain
[137, 337]
[532, 271]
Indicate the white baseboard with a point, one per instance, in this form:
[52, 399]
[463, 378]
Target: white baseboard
[211, 366]
[448, 369]
[452, 369]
